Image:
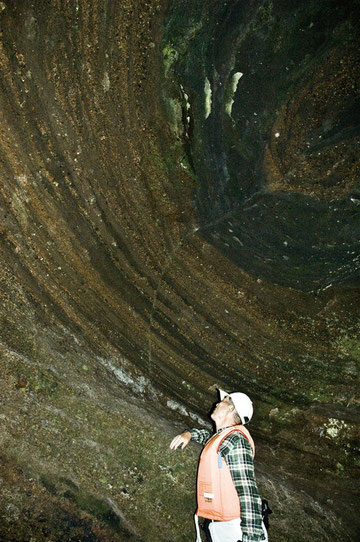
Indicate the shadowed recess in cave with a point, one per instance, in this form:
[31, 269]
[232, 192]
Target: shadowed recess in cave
[271, 122]
[179, 211]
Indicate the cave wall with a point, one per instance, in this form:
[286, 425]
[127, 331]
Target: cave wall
[179, 208]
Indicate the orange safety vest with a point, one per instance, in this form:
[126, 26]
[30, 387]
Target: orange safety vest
[217, 497]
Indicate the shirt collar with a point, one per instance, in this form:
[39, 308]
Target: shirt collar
[223, 429]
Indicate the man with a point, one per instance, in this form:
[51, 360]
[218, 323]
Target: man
[227, 494]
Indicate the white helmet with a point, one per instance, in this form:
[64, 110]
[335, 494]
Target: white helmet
[242, 403]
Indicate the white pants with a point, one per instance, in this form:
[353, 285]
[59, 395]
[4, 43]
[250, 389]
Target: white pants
[225, 531]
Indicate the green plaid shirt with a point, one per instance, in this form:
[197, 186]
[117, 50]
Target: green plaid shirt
[237, 452]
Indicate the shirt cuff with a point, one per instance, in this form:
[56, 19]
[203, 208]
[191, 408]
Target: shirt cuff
[249, 538]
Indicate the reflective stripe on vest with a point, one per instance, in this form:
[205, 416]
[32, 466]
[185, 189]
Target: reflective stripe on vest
[216, 493]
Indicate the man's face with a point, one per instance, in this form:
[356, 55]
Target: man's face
[222, 409]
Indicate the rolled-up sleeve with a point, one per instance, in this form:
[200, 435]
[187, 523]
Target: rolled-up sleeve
[199, 435]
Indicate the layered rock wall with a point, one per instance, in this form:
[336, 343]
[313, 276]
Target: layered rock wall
[179, 206]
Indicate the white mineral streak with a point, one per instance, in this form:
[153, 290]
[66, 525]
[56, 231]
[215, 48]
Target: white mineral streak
[173, 405]
[207, 90]
[186, 98]
[106, 82]
[176, 406]
[137, 384]
[238, 240]
[198, 419]
[233, 86]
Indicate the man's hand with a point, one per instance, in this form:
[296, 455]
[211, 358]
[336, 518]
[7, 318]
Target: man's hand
[181, 440]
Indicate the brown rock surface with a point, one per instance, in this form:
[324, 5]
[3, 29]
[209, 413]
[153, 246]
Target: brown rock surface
[120, 317]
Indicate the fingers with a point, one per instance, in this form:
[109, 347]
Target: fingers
[176, 442]
[173, 443]
[180, 440]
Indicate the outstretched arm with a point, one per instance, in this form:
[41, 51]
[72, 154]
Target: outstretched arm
[198, 435]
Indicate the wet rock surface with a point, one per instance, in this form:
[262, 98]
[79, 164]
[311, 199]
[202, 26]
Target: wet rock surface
[179, 208]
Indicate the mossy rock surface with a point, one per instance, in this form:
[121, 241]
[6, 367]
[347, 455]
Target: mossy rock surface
[179, 211]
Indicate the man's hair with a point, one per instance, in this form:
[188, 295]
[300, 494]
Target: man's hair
[236, 416]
